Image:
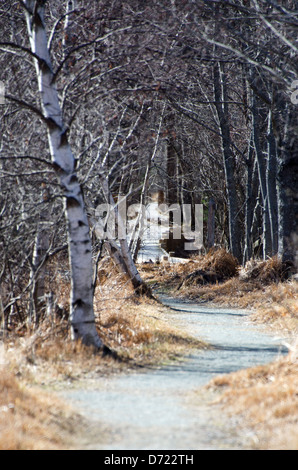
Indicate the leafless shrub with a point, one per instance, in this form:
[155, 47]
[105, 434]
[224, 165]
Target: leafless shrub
[265, 272]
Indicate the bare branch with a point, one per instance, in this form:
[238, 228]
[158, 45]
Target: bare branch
[20, 48]
[29, 106]
[84, 46]
[26, 157]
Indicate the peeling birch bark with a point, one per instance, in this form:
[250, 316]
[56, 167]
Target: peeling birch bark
[79, 241]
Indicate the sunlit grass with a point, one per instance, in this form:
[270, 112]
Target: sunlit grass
[31, 419]
[137, 329]
[266, 398]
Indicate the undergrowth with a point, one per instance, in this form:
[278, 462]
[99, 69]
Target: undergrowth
[266, 400]
[137, 329]
[261, 286]
[31, 419]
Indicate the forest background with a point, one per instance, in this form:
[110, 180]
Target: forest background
[104, 99]
[190, 102]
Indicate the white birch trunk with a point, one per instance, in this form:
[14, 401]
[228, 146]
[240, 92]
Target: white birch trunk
[38, 278]
[79, 242]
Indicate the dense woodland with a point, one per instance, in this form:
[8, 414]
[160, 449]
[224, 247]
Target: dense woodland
[104, 98]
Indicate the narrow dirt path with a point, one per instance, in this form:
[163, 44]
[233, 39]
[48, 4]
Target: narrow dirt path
[163, 409]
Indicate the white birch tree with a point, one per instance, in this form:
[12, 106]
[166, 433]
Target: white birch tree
[80, 250]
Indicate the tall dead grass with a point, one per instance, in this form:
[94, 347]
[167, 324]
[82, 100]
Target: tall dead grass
[265, 272]
[261, 286]
[32, 420]
[215, 267]
[135, 328]
[266, 399]
[221, 262]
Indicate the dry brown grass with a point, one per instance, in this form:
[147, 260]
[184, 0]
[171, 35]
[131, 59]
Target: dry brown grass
[219, 261]
[32, 420]
[266, 399]
[257, 287]
[279, 307]
[30, 417]
[135, 328]
[265, 272]
[215, 267]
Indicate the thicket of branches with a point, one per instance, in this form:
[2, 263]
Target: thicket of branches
[205, 85]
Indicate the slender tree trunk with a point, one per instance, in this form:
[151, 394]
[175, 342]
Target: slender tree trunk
[211, 223]
[271, 177]
[258, 119]
[68, 28]
[139, 285]
[249, 205]
[287, 177]
[38, 268]
[173, 187]
[221, 99]
[38, 275]
[136, 235]
[79, 242]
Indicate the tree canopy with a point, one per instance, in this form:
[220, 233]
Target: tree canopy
[196, 99]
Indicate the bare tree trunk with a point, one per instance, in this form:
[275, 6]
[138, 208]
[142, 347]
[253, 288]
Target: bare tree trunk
[221, 99]
[79, 242]
[271, 177]
[262, 166]
[38, 275]
[139, 285]
[68, 27]
[38, 266]
[249, 208]
[287, 178]
[211, 223]
[136, 235]
[136, 238]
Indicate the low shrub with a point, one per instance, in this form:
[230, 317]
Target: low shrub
[266, 272]
[216, 266]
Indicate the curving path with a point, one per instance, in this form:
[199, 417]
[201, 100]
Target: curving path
[156, 409]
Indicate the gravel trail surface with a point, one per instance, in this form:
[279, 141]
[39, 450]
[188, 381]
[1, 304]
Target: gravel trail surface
[163, 409]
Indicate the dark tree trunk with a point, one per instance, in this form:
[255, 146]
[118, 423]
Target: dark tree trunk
[258, 116]
[271, 176]
[249, 206]
[211, 223]
[287, 177]
[221, 103]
